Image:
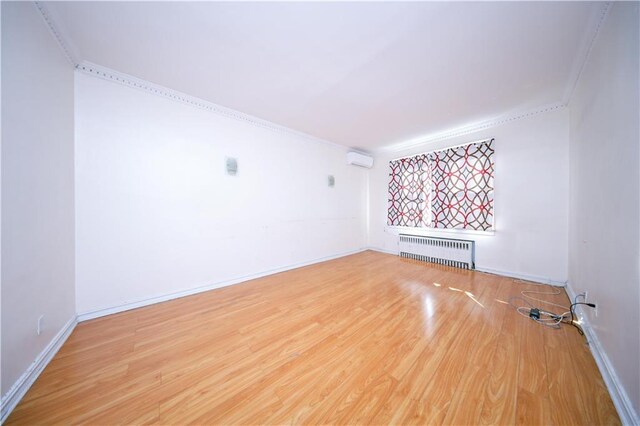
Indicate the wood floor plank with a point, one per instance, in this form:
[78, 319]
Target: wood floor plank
[364, 339]
[565, 395]
[432, 405]
[499, 402]
[595, 395]
[532, 409]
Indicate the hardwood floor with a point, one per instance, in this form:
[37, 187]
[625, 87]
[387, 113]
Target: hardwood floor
[369, 338]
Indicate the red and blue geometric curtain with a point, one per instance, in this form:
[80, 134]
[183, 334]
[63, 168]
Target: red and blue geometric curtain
[448, 189]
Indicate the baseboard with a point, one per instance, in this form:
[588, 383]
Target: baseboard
[526, 277]
[9, 401]
[85, 316]
[381, 250]
[619, 396]
[22, 385]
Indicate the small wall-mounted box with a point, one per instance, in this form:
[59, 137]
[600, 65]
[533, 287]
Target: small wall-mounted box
[359, 159]
[231, 166]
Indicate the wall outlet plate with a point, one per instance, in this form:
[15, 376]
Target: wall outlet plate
[582, 297]
[39, 326]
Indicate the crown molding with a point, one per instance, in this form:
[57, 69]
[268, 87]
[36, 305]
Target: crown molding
[465, 130]
[67, 48]
[585, 51]
[116, 76]
[577, 69]
[156, 89]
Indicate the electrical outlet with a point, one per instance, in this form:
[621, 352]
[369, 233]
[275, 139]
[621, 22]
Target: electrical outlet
[596, 309]
[39, 328]
[586, 296]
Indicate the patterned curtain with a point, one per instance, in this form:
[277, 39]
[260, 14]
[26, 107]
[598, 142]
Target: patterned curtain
[462, 192]
[448, 189]
[409, 190]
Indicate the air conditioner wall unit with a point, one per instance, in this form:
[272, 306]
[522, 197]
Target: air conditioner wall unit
[358, 159]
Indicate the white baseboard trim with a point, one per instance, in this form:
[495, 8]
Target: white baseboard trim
[381, 250]
[85, 316]
[22, 385]
[619, 396]
[526, 277]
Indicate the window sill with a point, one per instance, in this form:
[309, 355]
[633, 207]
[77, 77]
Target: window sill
[437, 231]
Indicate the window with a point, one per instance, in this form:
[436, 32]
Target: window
[447, 189]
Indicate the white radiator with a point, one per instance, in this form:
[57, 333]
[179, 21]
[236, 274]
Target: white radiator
[445, 251]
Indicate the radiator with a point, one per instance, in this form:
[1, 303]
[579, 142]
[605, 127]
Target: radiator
[445, 251]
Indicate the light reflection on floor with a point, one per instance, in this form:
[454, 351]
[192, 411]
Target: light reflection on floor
[428, 301]
[472, 297]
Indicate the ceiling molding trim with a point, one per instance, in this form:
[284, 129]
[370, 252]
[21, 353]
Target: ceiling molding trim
[465, 130]
[585, 51]
[66, 47]
[156, 89]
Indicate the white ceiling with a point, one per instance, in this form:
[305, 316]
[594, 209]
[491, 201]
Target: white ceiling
[364, 75]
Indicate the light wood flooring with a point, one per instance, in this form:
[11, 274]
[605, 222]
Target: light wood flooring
[369, 338]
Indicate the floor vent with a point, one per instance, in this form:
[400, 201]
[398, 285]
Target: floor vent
[445, 251]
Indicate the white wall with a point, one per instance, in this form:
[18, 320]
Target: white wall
[37, 188]
[157, 214]
[605, 193]
[531, 192]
